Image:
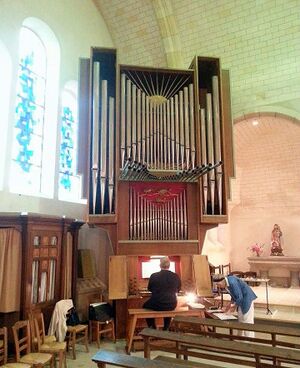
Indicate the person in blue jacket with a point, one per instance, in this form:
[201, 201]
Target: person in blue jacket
[242, 299]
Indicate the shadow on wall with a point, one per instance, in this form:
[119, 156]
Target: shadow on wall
[214, 246]
[98, 241]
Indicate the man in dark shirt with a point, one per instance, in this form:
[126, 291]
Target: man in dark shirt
[164, 285]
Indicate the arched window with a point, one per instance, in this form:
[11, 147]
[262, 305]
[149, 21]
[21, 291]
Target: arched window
[34, 136]
[69, 185]
[5, 78]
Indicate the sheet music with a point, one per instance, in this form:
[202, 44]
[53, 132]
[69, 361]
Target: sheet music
[216, 310]
[224, 316]
[196, 305]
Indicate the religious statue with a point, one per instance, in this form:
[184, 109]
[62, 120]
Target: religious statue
[276, 249]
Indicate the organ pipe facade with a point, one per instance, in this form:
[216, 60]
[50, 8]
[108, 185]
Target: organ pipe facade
[153, 131]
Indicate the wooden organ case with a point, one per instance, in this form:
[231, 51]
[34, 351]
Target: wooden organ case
[158, 165]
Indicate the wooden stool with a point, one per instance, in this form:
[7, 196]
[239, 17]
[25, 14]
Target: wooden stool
[98, 328]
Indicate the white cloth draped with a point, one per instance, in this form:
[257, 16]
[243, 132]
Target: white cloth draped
[58, 323]
[246, 318]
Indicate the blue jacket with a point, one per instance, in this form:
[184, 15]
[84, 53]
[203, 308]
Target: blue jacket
[241, 293]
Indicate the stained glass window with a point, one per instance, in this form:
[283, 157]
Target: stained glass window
[29, 112]
[69, 182]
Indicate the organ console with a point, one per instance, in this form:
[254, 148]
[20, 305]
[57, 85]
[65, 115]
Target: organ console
[158, 163]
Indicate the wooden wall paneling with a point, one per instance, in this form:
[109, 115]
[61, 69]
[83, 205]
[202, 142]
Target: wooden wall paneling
[121, 306]
[123, 215]
[118, 279]
[192, 210]
[73, 227]
[202, 275]
[187, 283]
[149, 248]
[133, 281]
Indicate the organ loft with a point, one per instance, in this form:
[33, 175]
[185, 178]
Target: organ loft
[160, 159]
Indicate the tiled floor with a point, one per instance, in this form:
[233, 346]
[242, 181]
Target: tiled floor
[284, 303]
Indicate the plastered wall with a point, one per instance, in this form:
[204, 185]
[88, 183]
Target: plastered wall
[266, 188]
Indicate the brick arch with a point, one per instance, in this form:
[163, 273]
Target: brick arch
[169, 32]
[267, 157]
[254, 115]
[266, 188]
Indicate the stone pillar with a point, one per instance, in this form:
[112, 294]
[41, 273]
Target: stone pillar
[294, 279]
[264, 274]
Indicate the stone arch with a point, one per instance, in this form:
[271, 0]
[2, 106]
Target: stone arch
[266, 188]
[169, 32]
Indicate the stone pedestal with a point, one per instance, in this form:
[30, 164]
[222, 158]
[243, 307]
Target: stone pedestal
[263, 266]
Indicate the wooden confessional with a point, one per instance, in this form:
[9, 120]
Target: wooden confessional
[160, 159]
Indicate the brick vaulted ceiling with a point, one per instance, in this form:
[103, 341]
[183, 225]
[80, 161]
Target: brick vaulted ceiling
[257, 41]
[134, 30]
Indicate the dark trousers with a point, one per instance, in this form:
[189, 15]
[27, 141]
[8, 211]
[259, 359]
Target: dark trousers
[150, 304]
[151, 323]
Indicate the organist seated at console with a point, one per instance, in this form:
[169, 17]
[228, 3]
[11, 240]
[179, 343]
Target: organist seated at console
[164, 286]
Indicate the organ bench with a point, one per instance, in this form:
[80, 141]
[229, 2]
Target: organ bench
[135, 314]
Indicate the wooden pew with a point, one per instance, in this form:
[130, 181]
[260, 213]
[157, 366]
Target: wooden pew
[104, 357]
[195, 325]
[135, 314]
[215, 349]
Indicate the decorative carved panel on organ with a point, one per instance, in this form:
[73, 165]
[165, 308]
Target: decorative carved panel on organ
[158, 211]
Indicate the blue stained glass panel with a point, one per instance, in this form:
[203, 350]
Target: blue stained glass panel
[29, 112]
[68, 145]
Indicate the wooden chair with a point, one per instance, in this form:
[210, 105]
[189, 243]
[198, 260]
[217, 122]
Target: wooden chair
[75, 334]
[237, 274]
[22, 339]
[215, 270]
[56, 348]
[226, 269]
[98, 328]
[3, 352]
[40, 320]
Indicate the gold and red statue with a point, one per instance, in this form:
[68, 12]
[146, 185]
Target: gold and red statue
[276, 248]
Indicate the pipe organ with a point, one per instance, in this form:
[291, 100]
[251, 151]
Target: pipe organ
[102, 137]
[157, 159]
[157, 125]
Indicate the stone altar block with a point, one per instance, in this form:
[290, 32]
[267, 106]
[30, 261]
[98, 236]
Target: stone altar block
[263, 266]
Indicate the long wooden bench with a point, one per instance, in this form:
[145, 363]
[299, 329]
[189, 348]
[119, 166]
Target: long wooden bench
[216, 349]
[104, 357]
[226, 328]
[135, 314]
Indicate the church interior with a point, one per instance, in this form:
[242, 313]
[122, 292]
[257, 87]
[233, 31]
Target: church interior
[149, 128]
